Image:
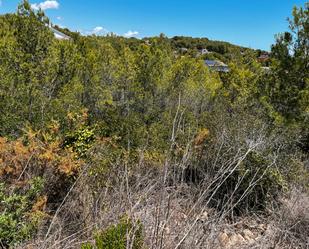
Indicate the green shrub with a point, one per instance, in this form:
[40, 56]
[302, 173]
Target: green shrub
[17, 221]
[116, 236]
[80, 140]
[251, 187]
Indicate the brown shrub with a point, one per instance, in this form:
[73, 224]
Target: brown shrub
[38, 154]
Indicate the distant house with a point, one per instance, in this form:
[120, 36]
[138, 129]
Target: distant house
[217, 66]
[59, 35]
[204, 51]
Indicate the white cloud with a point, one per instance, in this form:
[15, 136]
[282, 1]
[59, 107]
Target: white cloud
[130, 33]
[59, 18]
[45, 5]
[98, 31]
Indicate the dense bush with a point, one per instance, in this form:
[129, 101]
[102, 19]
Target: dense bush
[20, 212]
[113, 117]
[35, 173]
[120, 236]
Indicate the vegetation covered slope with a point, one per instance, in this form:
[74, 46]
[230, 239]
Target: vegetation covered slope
[115, 139]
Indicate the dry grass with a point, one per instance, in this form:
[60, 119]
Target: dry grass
[173, 216]
[175, 213]
[293, 221]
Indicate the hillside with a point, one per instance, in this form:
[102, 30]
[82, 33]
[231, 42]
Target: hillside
[113, 142]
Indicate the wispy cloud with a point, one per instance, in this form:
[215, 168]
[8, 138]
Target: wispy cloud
[99, 30]
[96, 31]
[45, 5]
[59, 18]
[131, 33]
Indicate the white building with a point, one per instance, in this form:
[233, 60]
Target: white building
[59, 35]
[204, 51]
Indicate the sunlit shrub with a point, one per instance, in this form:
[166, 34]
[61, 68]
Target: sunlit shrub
[35, 171]
[21, 211]
[119, 236]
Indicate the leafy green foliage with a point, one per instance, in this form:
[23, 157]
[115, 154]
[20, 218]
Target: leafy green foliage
[80, 141]
[287, 87]
[118, 236]
[17, 221]
[260, 193]
[108, 100]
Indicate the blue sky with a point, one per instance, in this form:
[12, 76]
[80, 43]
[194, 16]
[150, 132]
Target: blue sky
[251, 23]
